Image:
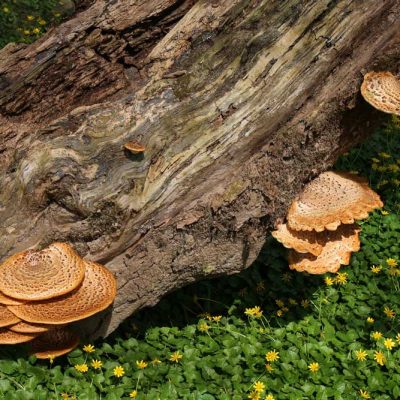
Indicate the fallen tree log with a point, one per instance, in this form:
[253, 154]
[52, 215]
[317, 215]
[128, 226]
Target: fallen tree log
[238, 104]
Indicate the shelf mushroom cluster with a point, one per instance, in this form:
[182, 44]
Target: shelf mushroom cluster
[41, 292]
[320, 230]
[382, 91]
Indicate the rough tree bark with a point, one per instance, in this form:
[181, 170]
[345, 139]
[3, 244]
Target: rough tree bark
[238, 103]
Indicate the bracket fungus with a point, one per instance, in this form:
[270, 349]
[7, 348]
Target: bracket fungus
[96, 293]
[336, 252]
[331, 199]
[320, 229]
[134, 147]
[382, 91]
[40, 275]
[54, 343]
[48, 289]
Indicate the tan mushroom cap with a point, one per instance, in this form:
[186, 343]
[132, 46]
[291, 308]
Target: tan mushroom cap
[10, 337]
[26, 327]
[382, 91]
[301, 241]
[331, 199]
[134, 147]
[9, 301]
[96, 293]
[7, 318]
[54, 343]
[337, 251]
[40, 275]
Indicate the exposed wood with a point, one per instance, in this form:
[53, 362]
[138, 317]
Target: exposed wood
[238, 103]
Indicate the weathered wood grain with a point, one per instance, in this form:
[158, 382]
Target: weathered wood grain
[238, 104]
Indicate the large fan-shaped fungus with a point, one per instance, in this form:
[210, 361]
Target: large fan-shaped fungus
[96, 293]
[331, 199]
[382, 90]
[40, 275]
[301, 241]
[337, 251]
[9, 337]
[7, 318]
[54, 343]
[26, 327]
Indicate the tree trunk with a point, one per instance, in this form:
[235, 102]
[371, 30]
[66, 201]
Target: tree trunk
[238, 103]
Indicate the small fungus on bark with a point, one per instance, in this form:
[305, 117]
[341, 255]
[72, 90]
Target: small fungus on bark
[134, 147]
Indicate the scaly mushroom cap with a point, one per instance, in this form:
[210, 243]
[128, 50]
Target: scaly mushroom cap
[40, 275]
[26, 327]
[7, 318]
[134, 147]
[54, 343]
[10, 337]
[382, 90]
[96, 293]
[301, 241]
[9, 301]
[331, 199]
[337, 251]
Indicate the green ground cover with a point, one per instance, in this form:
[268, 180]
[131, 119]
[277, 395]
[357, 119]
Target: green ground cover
[267, 333]
[23, 21]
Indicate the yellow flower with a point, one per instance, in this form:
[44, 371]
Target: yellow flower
[57, 14]
[81, 368]
[272, 356]
[376, 269]
[27, 32]
[384, 155]
[389, 312]
[305, 303]
[255, 312]
[217, 318]
[279, 313]
[133, 394]
[64, 396]
[51, 358]
[175, 357]
[258, 387]
[398, 338]
[375, 160]
[156, 361]
[379, 357]
[391, 262]
[364, 394]
[30, 17]
[328, 281]
[314, 367]
[292, 302]
[88, 348]
[389, 343]
[36, 31]
[384, 212]
[270, 397]
[279, 303]
[376, 335]
[393, 168]
[96, 364]
[6, 10]
[370, 320]
[119, 371]
[254, 396]
[341, 278]
[42, 22]
[141, 364]
[269, 367]
[260, 287]
[203, 327]
[361, 355]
